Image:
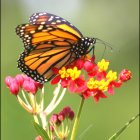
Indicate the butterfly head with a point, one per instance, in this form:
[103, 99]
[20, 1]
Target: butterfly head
[83, 46]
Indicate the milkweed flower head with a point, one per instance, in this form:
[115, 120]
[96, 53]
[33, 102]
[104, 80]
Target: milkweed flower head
[24, 84]
[61, 121]
[99, 80]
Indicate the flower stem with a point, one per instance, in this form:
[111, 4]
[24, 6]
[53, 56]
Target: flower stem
[36, 119]
[77, 120]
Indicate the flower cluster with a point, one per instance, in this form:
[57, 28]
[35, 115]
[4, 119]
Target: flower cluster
[98, 81]
[22, 81]
[57, 121]
[25, 84]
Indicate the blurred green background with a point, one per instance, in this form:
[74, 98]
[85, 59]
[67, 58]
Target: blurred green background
[114, 21]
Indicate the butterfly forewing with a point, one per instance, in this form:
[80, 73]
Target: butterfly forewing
[32, 34]
[56, 21]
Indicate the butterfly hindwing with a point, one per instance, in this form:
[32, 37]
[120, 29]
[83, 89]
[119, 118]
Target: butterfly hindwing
[38, 61]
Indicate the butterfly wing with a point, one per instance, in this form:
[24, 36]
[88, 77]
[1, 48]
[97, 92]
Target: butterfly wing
[46, 47]
[32, 34]
[50, 19]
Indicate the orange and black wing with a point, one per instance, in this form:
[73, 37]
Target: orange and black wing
[45, 47]
[51, 19]
[32, 34]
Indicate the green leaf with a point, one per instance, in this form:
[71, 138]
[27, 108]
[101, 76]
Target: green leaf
[40, 131]
[84, 132]
[115, 136]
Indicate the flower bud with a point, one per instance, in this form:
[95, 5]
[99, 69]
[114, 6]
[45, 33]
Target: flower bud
[54, 119]
[26, 85]
[66, 110]
[51, 128]
[32, 87]
[8, 80]
[38, 138]
[71, 115]
[125, 75]
[61, 116]
[20, 79]
[14, 88]
[88, 66]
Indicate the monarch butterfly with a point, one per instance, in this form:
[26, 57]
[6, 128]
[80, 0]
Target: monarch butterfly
[50, 41]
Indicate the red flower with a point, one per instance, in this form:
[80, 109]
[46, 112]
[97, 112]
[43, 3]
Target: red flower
[79, 63]
[68, 77]
[125, 75]
[89, 65]
[98, 95]
[66, 110]
[77, 84]
[71, 115]
[87, 93]
[110, 87]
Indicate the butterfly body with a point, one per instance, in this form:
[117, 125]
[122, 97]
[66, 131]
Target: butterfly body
[49, 43]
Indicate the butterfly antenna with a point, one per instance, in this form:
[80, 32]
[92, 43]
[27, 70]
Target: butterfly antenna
[104, 51]
[106, 44]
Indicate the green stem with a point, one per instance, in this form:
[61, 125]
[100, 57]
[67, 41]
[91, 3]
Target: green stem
[36, 119]
[77, 120]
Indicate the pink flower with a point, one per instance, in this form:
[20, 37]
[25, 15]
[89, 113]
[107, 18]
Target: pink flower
[26, 85]
[20, 79]
[14, 88]
[8, 80]
[61, 116]
[54, 118]
[32, 87]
